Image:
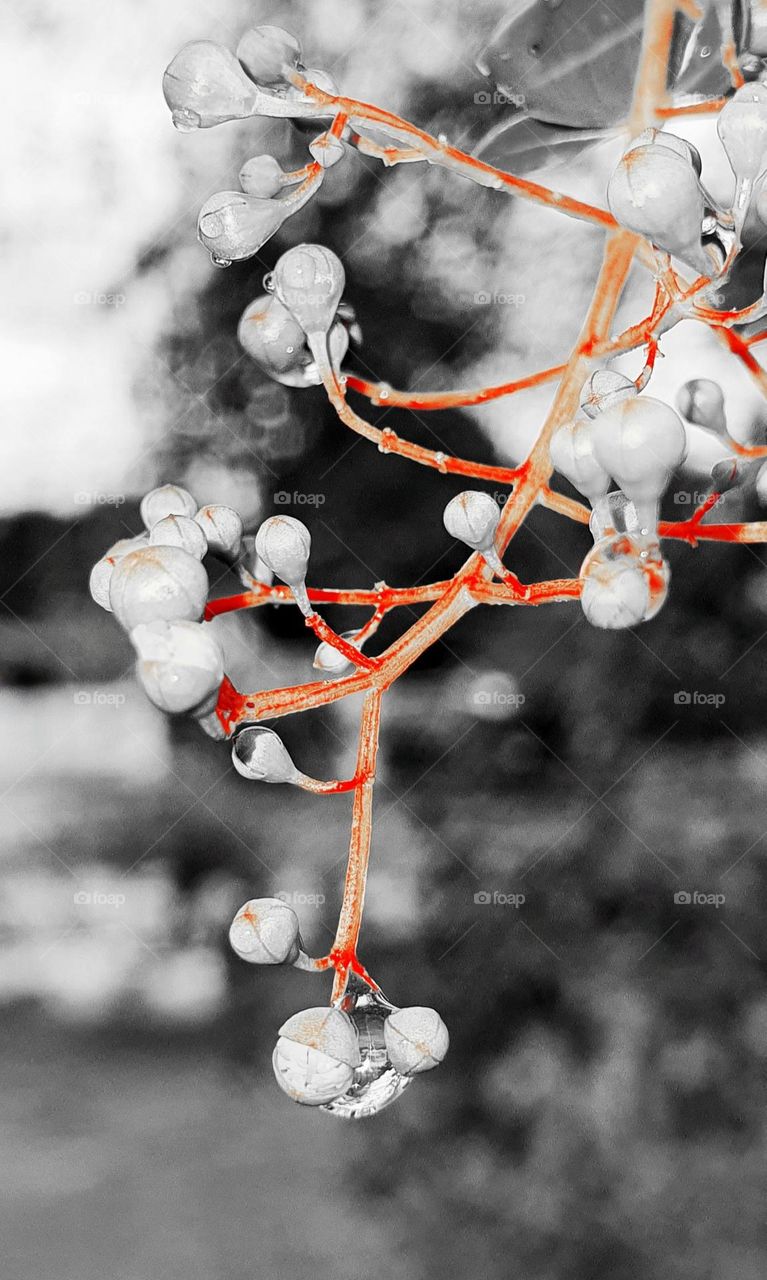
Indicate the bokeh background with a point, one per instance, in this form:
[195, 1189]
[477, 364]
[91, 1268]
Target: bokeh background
[601, 1112]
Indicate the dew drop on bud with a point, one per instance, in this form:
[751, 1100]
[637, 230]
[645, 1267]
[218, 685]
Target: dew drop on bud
[625, 581]
[375, 1082]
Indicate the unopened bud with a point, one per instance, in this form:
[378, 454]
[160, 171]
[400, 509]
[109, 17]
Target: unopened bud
[261, 176]
[179, 531]
[416, 1039]
[264, 52]
[701, 401]
[167, 500]
[260, 755]
[472, 517]
[315, 1056]
[222, 529]
[162, 583]
[101, 573]
[233, 225]
[205, 85]
[180, 665]
[309, 281]
[266, 931]
[572, 455]
[330, 662]
[327, 150]
[284, 544]
[603, 389]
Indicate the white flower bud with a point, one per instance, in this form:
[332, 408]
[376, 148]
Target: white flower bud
[655, 192]
[662, 138]
[284, 544]
[180, 665]
[330, 662]
[326, 1029]
[101, 573]
[179, 531]
[266, 931]
[309, 1076]
[327, 150]
[742, 127]
[205, 85]
[168, 500]
[158, 583]
[572, 455]
[233, 225]
[605, 388]
[222, 528]
[275, 340]
[472, 517]
[260, 755]
[262, 176]
[265, 51]
[625, 582]
[309, 281]
[639, 442]
[701, 401]
[416, 1039]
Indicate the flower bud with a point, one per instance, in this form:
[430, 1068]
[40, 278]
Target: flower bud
[309, 281]
[275, 340]
[205, 85]
[605, 388]
[260, 755]
[266, 931]
[168, 500]
[179, 531]
[264, 52]
[416, 1039]
[742, 127]
[472, 517]
[625, 581]
[655, 192]
[261, 176]
[734, 473]
[662, 138]
[284, 544]
[315, 1056]
[158, 583]
[701, 401]
[101, 573]
[639, 442]
[330, 662]
[327, 150]
[233, 226]
[222, 529]
[180, 665]
[572, 455]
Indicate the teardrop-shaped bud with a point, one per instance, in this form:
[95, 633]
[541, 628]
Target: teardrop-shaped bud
[167, 500]
[272, 336]
[472, 517]
[158, 583]
[309, 281]
[416, 1039]
[233, 225]
[327, 150]
[260, 755]
[701, 401]
[265, 52]
[330, 662]
[742, 127]
[625, 581]
[639, 442]
[656, 193]
[284, 544]
[180, 665]
[572, 455]
[205, 85]
[604, 388]
[179, 531]
[662, 138]
[101, 573]
[266, 931]
[222, 529]
[262, 176]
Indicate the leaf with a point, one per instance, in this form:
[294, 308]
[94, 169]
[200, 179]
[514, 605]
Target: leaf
[524, 144]
[573, 63]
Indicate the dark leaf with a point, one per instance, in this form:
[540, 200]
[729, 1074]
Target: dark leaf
[524, 145]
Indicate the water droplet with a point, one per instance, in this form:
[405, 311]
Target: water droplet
[441, 461]
[376, 1083]
[384, 391]
[705, 51]
[442, 137]
[268, 282]
[220, 262]
[185, 120]
[211, 225]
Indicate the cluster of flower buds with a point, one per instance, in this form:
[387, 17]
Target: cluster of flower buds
[206, 85]
[472, 517]
[742, 127]
[157, 588]
[656, 191]
[625, 578]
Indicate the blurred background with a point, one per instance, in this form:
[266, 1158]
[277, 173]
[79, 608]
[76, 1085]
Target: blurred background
[568, 858]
